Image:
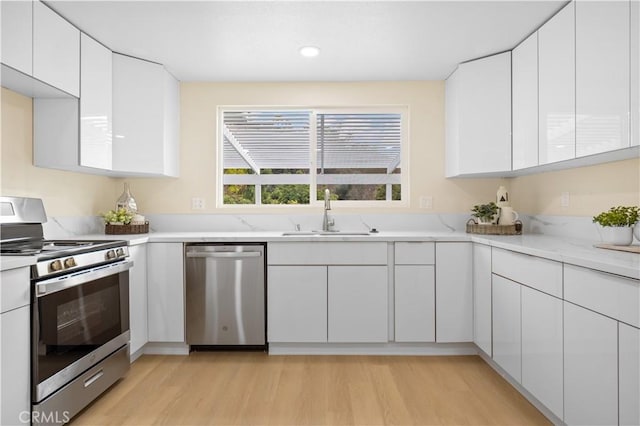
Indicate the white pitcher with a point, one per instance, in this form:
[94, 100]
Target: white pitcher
[508, 216]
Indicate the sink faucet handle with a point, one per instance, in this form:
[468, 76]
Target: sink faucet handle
[297, 226]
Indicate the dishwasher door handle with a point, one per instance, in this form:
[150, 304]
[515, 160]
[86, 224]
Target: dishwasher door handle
[225, 254]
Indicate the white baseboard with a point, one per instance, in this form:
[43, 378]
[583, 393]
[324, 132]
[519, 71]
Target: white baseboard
[372, 349]
[161, 348]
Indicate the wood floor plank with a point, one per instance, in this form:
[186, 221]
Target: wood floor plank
[252, 388]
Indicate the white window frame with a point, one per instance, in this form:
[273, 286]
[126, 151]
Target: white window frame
[403, 110]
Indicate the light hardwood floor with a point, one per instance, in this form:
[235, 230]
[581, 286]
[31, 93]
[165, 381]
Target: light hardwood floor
[213, 388]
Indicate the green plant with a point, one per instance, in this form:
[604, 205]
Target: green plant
[618, 216]
[485, 212]
[120, 216]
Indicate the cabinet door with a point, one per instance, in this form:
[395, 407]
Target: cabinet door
[590, 367]
[165, 286]
[15, 394]
[452, 124]
[629, 374]
[482, 297]
[525, 103]
[635, 72]
[484, 102]
[138, 297]
[95, 104]
[556, 79]
[297, 304]
[17, 35]
[56, 50]
[454, 292]
[414, 303]
[542, 348]
[506, 326]
[602, 76]
[357, 304]
[138, 114]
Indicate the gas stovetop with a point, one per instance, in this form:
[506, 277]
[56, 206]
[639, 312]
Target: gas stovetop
[57, 257]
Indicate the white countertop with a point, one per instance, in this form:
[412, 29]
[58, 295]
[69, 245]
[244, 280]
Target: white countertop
[13, 262]
[576, 252]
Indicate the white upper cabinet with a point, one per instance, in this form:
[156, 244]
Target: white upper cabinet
[145, 119]
[635, 72]
[556, 79]
[17, 35]
[478, 109]
[602, 76]
[525, 103]
[95, 104]
[56, 50]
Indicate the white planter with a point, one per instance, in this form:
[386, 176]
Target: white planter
[616, 235]
[636, 231]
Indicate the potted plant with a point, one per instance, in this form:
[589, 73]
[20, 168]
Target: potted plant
[485, 213]
[118, 217]
[617, 224]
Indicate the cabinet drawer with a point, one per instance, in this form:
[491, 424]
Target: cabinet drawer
[542, 274]
[327, 253]
[414, 253]
[608, 294]
[14, 291]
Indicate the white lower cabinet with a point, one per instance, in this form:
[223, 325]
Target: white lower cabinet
[507, 337]
[414, 303]
[165, 286]
[357, 304]
[542, 348]
[629, 374]
[297, 304]
[138, 298]
[15, 396]
[590, 367]
[454, 292]
[15, 347]
[482, 297]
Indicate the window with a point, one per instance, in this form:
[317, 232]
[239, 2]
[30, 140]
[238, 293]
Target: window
[289, 156]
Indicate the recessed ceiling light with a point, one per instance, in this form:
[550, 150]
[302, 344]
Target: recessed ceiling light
[309, 51]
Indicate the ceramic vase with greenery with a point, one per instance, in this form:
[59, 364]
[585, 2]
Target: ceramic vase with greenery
[617, 224]
[486, 214]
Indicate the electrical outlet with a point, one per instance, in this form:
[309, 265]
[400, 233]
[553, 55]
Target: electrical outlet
[426, 202]
[197, 203]
[564, 199]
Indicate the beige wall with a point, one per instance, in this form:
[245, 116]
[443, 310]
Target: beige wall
[592, 189]
[63, 193]
[200, 101]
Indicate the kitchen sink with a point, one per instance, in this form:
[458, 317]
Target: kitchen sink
[324, 233]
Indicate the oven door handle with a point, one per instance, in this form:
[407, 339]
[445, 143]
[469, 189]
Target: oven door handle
[44, 288]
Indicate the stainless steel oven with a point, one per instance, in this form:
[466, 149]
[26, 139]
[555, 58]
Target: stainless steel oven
[79, 311]
[77, 320]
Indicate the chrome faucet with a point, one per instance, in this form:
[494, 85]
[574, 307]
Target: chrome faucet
[327, 223]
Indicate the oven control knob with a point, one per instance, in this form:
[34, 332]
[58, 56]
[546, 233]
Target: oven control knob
[120, 252]
[69, 262]
[56, 265]
[111, 254]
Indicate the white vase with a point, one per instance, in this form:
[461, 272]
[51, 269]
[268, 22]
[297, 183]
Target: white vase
[616, 235]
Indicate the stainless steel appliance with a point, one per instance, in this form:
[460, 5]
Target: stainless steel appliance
[225, 295]
[79, 311]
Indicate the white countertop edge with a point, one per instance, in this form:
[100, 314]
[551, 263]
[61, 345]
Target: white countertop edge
[13, 262]
[575, 252]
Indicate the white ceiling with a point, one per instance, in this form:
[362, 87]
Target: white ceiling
[259, 40]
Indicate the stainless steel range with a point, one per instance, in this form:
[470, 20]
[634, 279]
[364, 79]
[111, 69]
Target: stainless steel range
[79, 311]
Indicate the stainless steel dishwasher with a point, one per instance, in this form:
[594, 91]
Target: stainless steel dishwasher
[225, 295]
